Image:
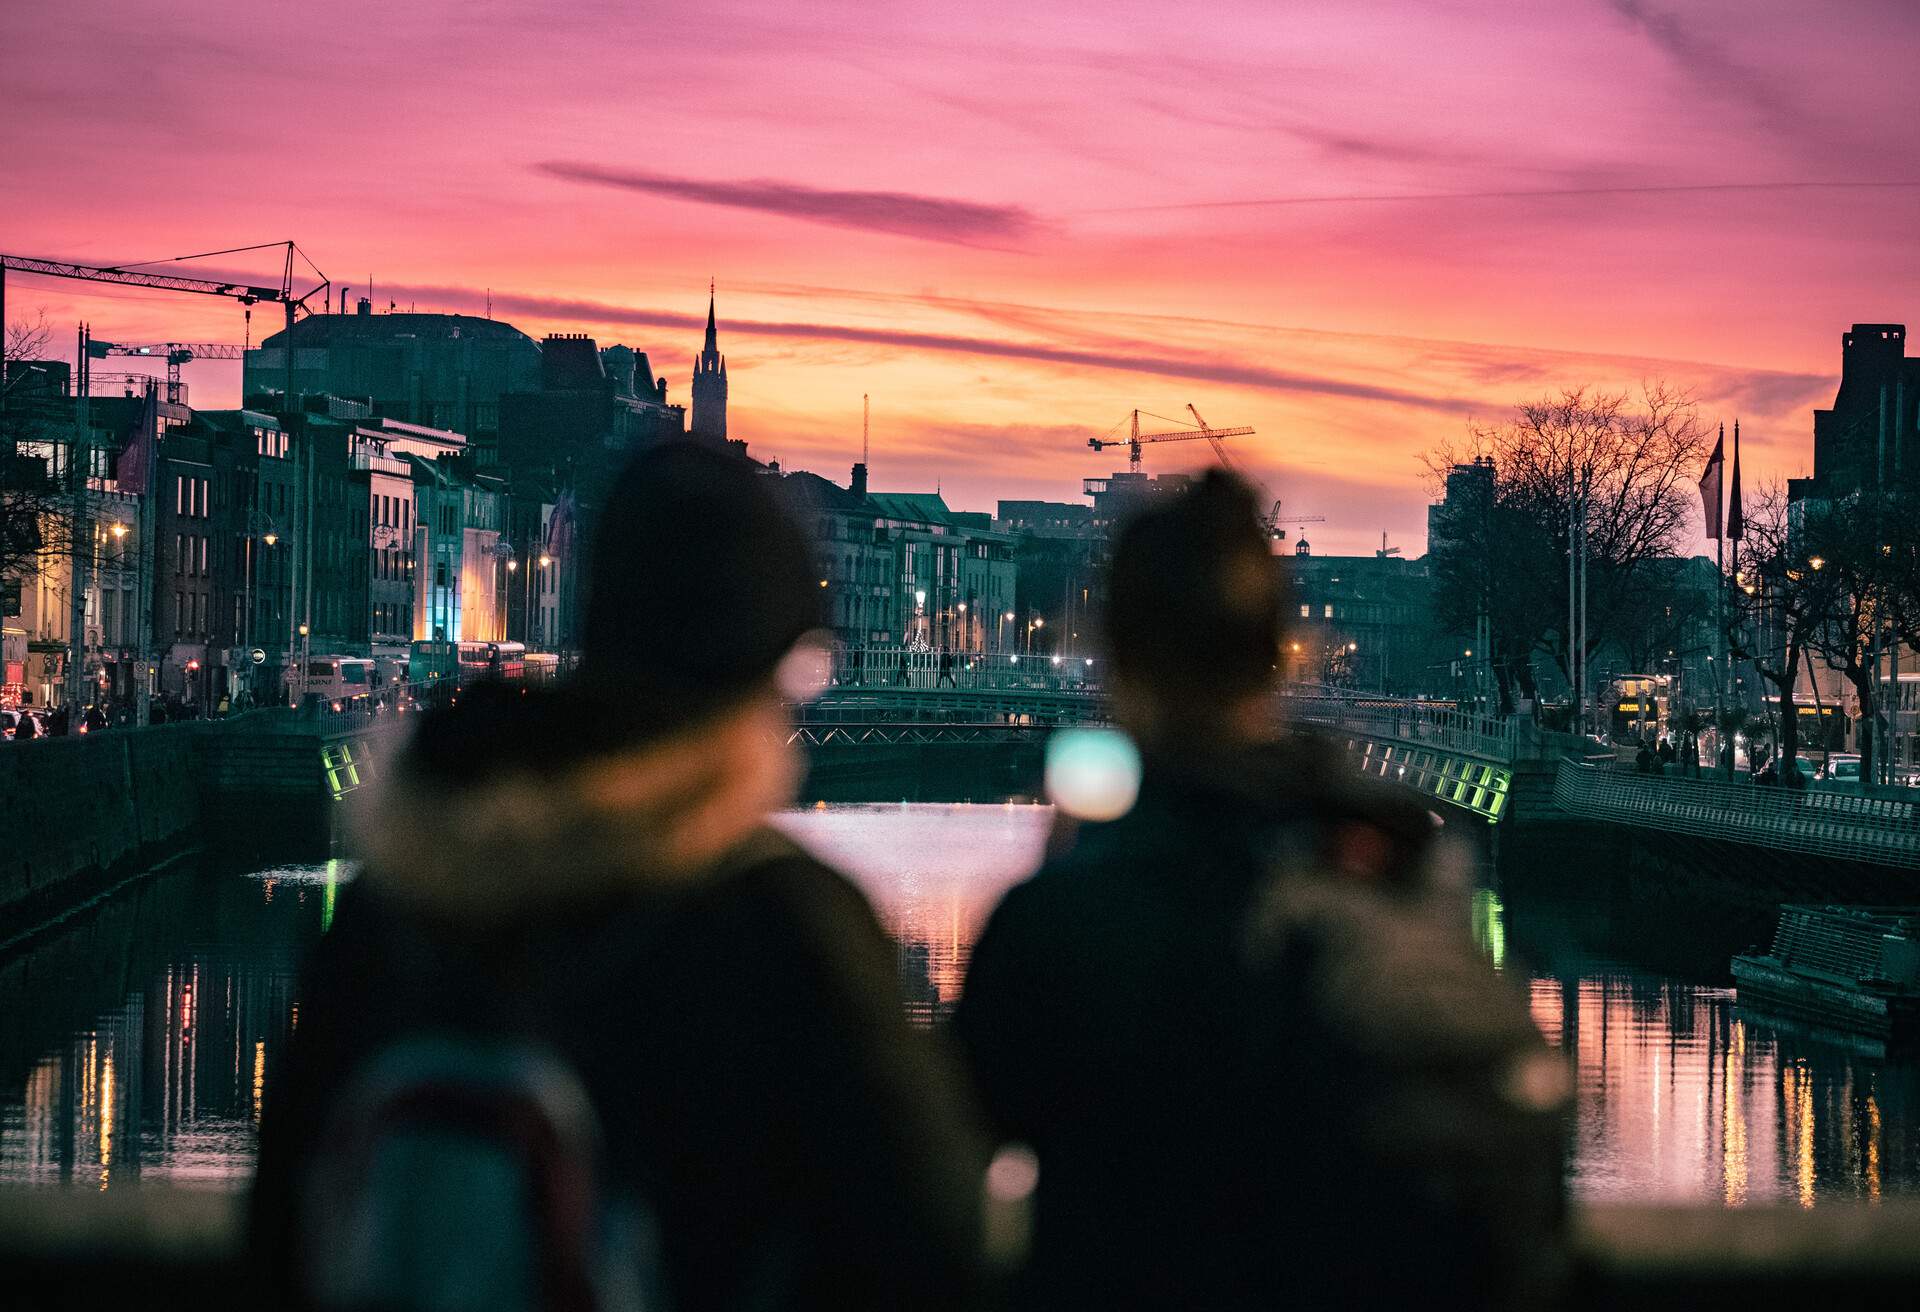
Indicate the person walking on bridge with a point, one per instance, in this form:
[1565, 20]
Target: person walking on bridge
[1243, 1026]
[586, 1032]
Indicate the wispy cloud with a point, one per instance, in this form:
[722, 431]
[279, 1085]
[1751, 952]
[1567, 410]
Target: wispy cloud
[903, 214]
[1538, 193]
[1212, 368]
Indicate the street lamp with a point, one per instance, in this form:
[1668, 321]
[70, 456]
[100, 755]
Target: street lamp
[1037, 622]
[255, 520]
[546, 562]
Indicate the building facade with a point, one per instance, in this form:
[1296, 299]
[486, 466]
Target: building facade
[442, 370]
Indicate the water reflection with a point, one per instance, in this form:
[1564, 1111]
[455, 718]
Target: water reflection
[933, 873]
[140, 1038]
[137, 1039]
[1685, 1097]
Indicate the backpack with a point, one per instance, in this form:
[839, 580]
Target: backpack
[465, 1172]
[462, 1164]
[1440, 1115]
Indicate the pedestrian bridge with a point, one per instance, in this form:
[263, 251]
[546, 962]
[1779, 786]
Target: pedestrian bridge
[1881, 830]
[1495, 767]
[1505, 768]
[887, 696]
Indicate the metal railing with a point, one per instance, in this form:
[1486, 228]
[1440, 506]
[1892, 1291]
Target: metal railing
[1849, 826]
[886, 667]
[953, 705]
[1503, 738]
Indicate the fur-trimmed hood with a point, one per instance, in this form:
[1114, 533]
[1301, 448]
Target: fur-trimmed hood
[518, 842]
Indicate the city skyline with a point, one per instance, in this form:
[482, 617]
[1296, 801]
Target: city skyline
[1011, 238]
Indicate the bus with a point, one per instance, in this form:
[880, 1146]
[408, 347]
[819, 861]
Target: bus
[1637, 706]
[434, 658]
[339, 678]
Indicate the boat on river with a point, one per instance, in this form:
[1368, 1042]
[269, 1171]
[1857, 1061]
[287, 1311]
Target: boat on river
[1849, 968]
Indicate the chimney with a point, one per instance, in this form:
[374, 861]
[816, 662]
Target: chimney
[859, 483]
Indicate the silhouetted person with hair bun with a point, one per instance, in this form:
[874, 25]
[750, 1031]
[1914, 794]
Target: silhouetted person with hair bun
[1243, 1026]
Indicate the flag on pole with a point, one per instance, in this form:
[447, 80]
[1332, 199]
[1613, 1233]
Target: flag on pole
[1710, 484]
[1736, 521]
[136, 458]
[560, 526]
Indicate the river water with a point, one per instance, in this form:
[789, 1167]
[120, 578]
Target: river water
[138, 1037]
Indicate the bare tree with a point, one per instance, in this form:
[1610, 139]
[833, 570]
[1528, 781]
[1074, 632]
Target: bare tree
[1864, 545]
[1782, 596]
[31, 339]
[1631, 457]
[33, 506]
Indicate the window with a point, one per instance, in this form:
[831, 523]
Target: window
[179, 605]
[1327, 611]
[179, 552]
[203, 554]
[1305, 610]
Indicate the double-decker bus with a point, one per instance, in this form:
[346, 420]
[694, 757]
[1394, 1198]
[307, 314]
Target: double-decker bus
[433, 658]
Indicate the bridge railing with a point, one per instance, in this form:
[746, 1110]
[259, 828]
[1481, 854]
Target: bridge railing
[1839, 825]
[1495, 737]
[891, 667]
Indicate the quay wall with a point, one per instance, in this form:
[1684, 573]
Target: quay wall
[926, 772]
[83, 812]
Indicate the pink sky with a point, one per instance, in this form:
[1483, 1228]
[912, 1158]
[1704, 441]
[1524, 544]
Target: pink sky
[1011, 223]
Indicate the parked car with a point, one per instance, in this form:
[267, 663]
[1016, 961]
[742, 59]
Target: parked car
[1843, 769]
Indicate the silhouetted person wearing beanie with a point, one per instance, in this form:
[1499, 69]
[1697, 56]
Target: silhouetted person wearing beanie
[586, 873]
[1241, 1026]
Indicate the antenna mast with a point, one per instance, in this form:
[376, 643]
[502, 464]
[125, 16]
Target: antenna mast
[866, 413]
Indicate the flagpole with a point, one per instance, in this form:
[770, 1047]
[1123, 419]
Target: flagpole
[143, 571]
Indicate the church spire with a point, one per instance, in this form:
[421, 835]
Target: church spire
[709, 418]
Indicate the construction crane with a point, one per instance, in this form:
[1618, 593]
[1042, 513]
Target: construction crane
[1272, 520]
[1136, 439]
[142, 275]
[1276, 517]
[174, 353]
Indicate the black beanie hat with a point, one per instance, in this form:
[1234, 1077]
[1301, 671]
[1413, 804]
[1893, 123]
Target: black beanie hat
[1195, 599]
[700, 582]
